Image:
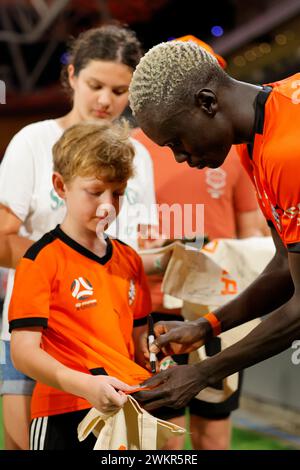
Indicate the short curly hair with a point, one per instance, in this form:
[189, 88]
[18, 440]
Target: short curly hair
[168, 72]
[95, 148]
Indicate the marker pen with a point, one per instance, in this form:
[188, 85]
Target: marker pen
[151, 339]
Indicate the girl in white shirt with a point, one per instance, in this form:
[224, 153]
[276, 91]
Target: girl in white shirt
[101, 64]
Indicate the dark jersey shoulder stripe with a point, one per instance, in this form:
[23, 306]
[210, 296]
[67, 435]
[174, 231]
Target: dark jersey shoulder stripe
[35, 249]
[259, 120]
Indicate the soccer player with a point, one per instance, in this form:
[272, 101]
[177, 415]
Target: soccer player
[182, 98]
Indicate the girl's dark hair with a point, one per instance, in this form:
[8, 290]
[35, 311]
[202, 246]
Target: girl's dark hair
[109, 42]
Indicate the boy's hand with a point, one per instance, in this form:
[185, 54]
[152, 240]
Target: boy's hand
[106, 393]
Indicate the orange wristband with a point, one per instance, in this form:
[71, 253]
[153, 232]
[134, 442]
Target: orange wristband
[214, 323]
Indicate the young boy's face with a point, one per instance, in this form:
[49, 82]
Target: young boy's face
[92, 203]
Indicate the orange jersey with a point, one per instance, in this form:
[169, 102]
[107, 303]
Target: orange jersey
[87, 307]
[273, 157]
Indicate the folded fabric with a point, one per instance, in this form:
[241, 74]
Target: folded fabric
[129, 428]
[206, 279]
[218, 272]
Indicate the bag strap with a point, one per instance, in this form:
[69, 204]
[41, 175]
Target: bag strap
[147, 425]
[148, 431]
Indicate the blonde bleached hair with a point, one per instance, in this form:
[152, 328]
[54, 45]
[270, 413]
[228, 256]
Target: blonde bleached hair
[100, 149]
[167, 73]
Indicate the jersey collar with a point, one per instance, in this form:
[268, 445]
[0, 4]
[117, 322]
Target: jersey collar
[259, 119]
[57, 232]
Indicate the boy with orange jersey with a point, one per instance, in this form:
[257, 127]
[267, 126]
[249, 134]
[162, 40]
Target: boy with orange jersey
[78, 294]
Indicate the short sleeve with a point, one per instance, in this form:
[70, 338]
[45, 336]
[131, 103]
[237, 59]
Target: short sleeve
[17, 176]
[142, 304]
[29, 305]
[285, 203]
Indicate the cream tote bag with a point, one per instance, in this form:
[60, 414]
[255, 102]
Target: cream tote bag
[129, 428]
[206, 279]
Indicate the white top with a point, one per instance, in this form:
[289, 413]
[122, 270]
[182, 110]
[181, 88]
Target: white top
[26, 188]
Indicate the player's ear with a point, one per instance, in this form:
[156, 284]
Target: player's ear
[59, 184]
[207, 100]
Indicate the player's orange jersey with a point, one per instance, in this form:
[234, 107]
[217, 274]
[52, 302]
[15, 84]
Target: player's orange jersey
[273, 160]
[87, 307]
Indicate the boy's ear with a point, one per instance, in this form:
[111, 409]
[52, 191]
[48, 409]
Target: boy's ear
[59, 184]
[207, 100]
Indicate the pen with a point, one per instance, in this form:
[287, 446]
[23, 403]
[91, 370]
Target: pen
[151, 339]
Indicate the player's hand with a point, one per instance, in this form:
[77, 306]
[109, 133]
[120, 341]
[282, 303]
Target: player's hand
[174, 387]
[177, 337]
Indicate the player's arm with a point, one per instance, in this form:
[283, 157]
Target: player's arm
[273, 335]
[12, 246]
[100, 391]
[175, 387]
[273, 288]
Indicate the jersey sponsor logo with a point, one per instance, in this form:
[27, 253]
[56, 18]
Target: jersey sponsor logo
[131, 292]
[86, 304]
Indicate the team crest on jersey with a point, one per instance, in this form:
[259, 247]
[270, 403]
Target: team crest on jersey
[82, 289]
[131, 292]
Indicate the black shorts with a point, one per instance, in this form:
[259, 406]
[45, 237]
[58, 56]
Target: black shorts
[196, 407]
[59, 432]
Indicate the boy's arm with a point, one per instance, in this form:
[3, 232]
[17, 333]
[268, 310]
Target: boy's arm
[142, 306]
[104, 393]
